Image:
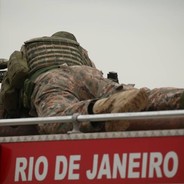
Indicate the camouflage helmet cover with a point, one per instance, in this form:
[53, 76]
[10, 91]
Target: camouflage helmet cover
[64, 34]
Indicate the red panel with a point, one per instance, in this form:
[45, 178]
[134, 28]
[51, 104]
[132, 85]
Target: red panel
[109, 161]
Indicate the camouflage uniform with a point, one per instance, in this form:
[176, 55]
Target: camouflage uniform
[68, 90]
[74, 89]
[71, 83]
[67, 82]
[165, 98]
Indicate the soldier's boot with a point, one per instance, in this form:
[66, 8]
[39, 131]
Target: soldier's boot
[133, 100]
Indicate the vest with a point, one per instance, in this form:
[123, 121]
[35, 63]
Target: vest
[49, 51]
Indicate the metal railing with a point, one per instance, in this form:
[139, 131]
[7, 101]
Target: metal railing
[76, 118]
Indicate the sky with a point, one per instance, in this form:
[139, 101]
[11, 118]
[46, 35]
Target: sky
[141, 40]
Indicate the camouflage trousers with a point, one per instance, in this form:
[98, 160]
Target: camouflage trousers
[71, 89]
[165, 98]
[68, 90]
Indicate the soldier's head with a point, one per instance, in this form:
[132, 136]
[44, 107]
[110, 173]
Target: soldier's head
[64, 34]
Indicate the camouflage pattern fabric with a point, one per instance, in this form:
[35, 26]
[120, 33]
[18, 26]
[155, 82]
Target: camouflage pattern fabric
[75, 84]
[68, 90]
[48, 51]
[71, 89]
[165, 98]
[17, 69]
[133, 100]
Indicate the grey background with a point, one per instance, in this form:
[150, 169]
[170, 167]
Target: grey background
[142, 40]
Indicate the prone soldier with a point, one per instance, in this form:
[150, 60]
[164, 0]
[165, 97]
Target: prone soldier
[58, 78]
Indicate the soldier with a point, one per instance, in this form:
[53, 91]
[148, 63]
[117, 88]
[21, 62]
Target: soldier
[76, 86]
[62, 80]
[71, 84]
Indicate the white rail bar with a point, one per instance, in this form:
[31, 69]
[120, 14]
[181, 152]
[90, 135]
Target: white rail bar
[96, 117]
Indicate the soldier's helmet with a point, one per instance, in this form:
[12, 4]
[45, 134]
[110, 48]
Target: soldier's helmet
[65, 34]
